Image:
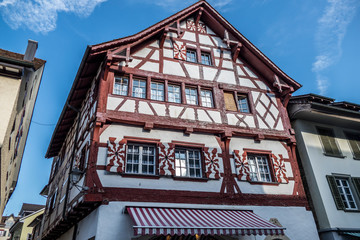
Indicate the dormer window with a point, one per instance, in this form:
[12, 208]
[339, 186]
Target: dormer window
[191, 55]
[205, 58]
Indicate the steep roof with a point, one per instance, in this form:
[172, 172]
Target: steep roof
[95, 55]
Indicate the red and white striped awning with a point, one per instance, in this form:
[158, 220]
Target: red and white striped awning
[171, 221]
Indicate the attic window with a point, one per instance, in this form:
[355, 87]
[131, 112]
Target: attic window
[205, 58]
[191, 55]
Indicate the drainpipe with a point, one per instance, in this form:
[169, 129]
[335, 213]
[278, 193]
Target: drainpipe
[72, 160]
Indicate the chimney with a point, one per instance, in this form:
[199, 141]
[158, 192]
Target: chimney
[30, 50]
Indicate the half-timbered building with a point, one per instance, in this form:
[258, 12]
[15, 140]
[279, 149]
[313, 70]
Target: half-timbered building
[177, 132]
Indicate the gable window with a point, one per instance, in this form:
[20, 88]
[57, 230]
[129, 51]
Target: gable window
[328, 141]
[191, 96]
[354, 142]
[139, 88]
[206, 98]
[205, 58]
[157, 91]
[341, 189]
[259, 168]
[121, 86]
[187, 162]
[140, 159]
[191, 55]
[174, 94]
[243, 103]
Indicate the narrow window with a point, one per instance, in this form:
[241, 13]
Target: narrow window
[191, 96]
[157, 91]
[327, 138]
[354, 142]
[140, 159]
[187, 162]
[191, 56]
[121, 86]
[243, 103]
[206, 98]
[230, 101]
[174, 94]
[259, 168]
[139, 88]
[205, 58]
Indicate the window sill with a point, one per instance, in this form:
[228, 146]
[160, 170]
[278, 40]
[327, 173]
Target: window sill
[190, 179]
[350, 210]
[136, 175]
[334, 155]
[238, 112]
[264, 183]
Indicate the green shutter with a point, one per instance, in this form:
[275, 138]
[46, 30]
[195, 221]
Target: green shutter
[356, 182]
[354, 141]
[335, 192]
[328, 140]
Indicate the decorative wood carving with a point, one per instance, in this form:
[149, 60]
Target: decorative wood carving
[212, 163]
[166, 159]
[279, 168]
[179, 50]
[116, 156]
[241, 165]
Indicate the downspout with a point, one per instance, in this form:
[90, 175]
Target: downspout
[72, 159]
[75, 231]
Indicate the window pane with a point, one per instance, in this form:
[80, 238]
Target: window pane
[121, 86]
[174, 94]
[140, 159]
[191, 56]
[346, 193]
[206, 98]
[191, 96]
[139, 88]
[205, 58]
[187, 163]
[243, 104]
[157, 91]
[259, 168]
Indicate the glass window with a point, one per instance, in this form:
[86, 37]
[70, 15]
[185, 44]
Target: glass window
[243, 103]
[207, 98]
[121, 86]
[191, 56]
[259, 168]
[205, 58]
[174, 94]
[139, 88]
[327, 138]
[187, 163]
[191, 96]
[157, 91]
[345, 193]
[140, 159]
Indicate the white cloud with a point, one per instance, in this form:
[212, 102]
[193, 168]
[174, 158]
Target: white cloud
[331, 31]
[41, 15]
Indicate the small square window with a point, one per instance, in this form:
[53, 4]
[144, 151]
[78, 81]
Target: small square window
[187, 162]
[121, 86]
[243, 103]
[206, 98]
[157, 91]
[191, 56]
[205, 58]
[259, 168]
[174, 93]
[191, 96]
[139, 88]
[140, 159]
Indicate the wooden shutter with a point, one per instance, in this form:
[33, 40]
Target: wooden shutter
[354, 141]
[230, 103]
[335, 192]
[356, 182]
[328, 141]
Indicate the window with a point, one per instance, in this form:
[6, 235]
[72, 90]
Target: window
[174, 94]
[121, 86]
[52, 201]
[205, 58]
[328, 141]
[191, 56]
[229, 101]
[342, 191]
[259, 168]
[139, 88]
[206, 98]
[140, 159]
[243, 103]
[187, 162]
[354, 142]
[191, 96]
[157, 91]
[29, 236]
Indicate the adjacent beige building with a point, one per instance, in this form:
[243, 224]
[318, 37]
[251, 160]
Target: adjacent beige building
[20, 76]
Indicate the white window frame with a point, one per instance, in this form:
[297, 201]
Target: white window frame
[346, 196]
[141, 161]
[189, 94]
[191, 55]
[206, 99]
[255, 167]
[157, 90]
[138, 90]
[119, 87]
[182, 165]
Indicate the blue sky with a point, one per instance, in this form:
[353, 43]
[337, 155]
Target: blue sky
[314, 42]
